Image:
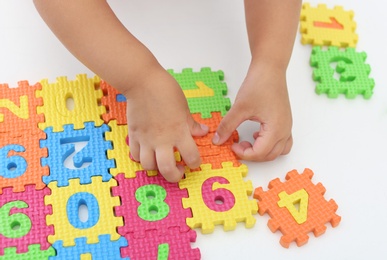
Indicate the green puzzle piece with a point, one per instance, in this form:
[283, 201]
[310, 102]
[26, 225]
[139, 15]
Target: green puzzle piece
[209, 88]
[34, 253]
[350, 65]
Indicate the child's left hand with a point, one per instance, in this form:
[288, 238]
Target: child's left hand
[263, 97]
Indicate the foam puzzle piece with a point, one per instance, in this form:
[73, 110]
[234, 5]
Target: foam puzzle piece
[18, 109]
[115, 104]
[331, 27]
[354, 72]
[65, 202]
[150, 203]
[204, 90]
[215, 154]
[33, 253]
[26, 211]
[319, 210]
[83, 91]
[20, 162]
[209, 187]
[153, 246]
[104, 249]
[120, 152]
[61, 145]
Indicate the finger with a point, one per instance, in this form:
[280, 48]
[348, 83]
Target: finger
[262, 147]
[288, 146]
[147, 159]
[189, 152]
[227, 125]
[134, 149]
[197, 129]
[167, 165]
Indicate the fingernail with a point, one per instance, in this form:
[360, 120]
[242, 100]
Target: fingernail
[216, 138]
[204, 127]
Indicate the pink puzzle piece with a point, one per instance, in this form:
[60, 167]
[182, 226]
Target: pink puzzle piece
[150, 203]
[26, 211]
[171, 246]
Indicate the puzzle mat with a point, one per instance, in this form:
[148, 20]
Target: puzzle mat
[313, 129]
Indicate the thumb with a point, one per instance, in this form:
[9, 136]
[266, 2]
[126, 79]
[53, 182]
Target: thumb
[197, 129]
[227, 126]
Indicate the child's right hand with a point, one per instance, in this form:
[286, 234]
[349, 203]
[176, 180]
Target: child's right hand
[159, 120]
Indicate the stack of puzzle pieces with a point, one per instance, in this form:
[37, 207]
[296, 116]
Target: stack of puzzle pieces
[338, 67]
[131, 213]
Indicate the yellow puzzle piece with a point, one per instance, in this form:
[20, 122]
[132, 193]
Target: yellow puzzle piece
[85, 94]
[218, 196]
[330, 27]
[65, 202]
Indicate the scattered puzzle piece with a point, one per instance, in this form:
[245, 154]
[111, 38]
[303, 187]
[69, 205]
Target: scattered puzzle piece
[104, 249]
[33, 252]
[227, 189]
[22, 219]
[62, 144]
[83, 91]
[20, 163]
[18, 109]
[353, 72]
[171, 246]
[204, 90]
[96, 197]
[150, 203]
[323, 26]
[290, 222]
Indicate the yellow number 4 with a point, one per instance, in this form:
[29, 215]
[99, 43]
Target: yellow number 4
[296, 203]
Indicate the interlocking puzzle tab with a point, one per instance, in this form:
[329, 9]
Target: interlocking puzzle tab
[330, 27]
[204, 90]
[173, 245]
[218, 196]
[350, 65]
[62, 144]
[23, 219]
[20, 162]
[34, 252]
[18, 109]
[65, 202]
[83, 91]
[281, 201]
[104, 249]
[115, 104]
[150, 203]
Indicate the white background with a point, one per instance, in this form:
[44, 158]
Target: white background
[342, 141]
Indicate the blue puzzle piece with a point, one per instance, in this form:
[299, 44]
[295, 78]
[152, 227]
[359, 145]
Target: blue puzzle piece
[60, 145]
[105, 249]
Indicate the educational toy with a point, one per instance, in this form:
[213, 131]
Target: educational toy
[174, 245]
[86, 97]
[56, 159]
[329, 27]
[282, 199]
[350, 67]
[62, 144]
[218, 196]
[150, 203]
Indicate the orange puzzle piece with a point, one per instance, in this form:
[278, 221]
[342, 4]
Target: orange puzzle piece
[18, 109]
[115, 107]
[281, 201]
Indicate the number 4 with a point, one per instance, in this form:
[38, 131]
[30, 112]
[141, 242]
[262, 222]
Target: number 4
[299, 198]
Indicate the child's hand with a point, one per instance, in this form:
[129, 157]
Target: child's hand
[263, 98]
[159, 121]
